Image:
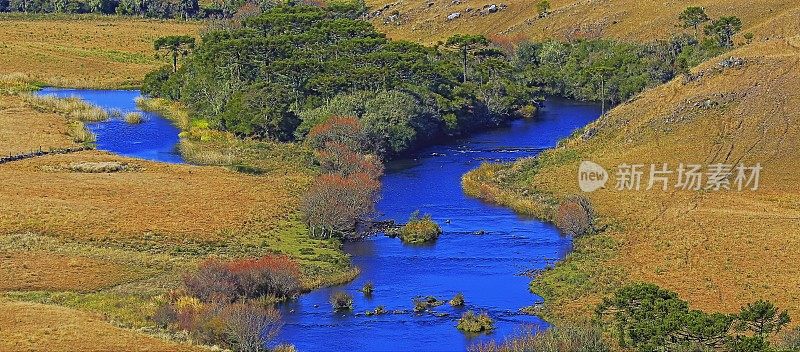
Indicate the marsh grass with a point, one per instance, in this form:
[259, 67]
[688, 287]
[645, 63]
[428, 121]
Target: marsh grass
[133, 118]
[16, 83]
[471, 322]
[73, 107]
[419, 230]
[173, 111]
[115, 113]
[79, 133]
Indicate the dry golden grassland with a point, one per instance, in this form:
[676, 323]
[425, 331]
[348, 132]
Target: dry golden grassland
[623, 19]
[37, 327]
[84, 51]
[717, 249]
[90, 241]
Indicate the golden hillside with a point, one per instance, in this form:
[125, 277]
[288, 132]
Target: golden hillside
[717, 249]
[84, 51]
[426, 21]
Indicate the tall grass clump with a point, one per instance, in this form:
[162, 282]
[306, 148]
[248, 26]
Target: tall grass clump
[168, 109]
[475, 323]
[420, 230]
[458, 300]
[72, 107]
[577, 338]
[79, 133]
[15, 83]
[133, 118]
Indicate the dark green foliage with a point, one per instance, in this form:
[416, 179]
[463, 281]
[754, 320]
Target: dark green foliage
[647, 318]
[608, 70]
[161, 84]
[174, 46]
[321, 63]
[723, 30]
[693, 17]
[262, 111]
[762, 318]
[147, 8]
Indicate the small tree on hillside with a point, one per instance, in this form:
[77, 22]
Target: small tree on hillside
[467, 44]
[175, 46]
[543, 7]
[762, 318]
[724, 29]
[693, 17]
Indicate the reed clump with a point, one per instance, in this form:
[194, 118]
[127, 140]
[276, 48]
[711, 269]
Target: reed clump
[72, 107]
[133, 118]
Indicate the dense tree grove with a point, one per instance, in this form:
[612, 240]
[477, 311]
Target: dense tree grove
[146, 8]
[609, 70]
[279, 73]
[649, 318]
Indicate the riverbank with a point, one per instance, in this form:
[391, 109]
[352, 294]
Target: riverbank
[106, 243]
[717, 249]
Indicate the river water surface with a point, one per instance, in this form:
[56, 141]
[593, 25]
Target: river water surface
[482, 252]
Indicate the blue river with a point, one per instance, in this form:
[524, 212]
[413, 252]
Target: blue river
[483, 252]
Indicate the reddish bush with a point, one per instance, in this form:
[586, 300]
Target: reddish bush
[343, 130]
[336, 204]
[339, 158]
[277, 276]
[575, 216]
[216, 281]
[213, 281]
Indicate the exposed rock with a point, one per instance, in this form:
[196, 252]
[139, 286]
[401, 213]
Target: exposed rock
[453, 16]
[731, 62]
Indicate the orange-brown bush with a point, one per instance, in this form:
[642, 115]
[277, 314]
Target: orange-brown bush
[339, 158]
[215, 281]
[345, 130]
[336, 204]
[575, 216]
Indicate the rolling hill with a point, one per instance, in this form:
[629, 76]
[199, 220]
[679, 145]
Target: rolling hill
[427, 21]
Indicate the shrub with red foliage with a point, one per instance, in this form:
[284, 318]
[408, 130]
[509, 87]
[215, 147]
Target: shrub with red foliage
[275, 275]
[216, 281]
[212, 282]
[339, 158]
[336, 204]
[575, 216]
[342, 130]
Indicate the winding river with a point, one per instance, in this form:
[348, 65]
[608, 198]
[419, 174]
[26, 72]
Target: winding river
[482, 253]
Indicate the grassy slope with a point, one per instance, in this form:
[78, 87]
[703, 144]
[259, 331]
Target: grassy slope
[718, 250]
[83, 51]
[624, 19]
[98, 249]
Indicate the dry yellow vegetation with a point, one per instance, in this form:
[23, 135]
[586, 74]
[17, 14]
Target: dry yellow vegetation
[40, 130]
[84, 51]
[38, 327]
[717, 249]
[426, 21]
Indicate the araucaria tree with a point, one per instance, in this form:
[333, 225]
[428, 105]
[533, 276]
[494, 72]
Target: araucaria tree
[466, 44]
[693, 17]
[724, 29]
[175, 46]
